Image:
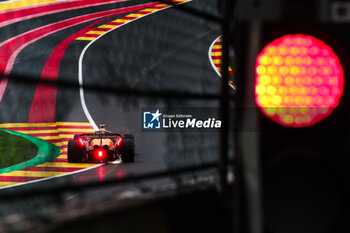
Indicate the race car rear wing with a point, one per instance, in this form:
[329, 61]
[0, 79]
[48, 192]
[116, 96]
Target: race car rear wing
[97, 135]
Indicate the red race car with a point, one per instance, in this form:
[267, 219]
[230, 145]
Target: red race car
[100, 147]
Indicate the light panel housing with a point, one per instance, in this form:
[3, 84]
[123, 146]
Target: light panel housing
[299, 80]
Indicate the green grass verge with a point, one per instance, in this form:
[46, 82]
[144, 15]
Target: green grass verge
[15, 149]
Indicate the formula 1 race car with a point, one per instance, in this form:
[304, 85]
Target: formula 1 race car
[101, 146]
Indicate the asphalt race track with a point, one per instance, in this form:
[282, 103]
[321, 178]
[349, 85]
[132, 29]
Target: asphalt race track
[163, 51]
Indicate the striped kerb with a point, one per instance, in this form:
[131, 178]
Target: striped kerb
[100, 30]
[216, 54]
[59, 134]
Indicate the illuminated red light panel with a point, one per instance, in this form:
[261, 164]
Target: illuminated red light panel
[100, 154]
[299, 80]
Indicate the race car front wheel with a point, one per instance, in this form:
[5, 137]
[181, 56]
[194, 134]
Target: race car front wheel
[127, 149]
[75, 152]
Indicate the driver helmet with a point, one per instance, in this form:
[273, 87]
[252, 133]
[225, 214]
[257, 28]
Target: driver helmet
[102, 127]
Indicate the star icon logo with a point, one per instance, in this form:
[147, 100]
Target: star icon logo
[156, 115]
[151, 119]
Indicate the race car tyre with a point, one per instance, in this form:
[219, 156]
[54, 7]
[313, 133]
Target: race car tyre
[75, 152]
[127, 149]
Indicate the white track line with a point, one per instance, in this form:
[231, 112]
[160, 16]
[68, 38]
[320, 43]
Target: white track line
[212, 62]
[82, 98]
[80, 72]
[92, 122]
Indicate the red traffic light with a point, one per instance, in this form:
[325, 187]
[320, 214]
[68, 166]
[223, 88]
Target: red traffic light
[299, 80]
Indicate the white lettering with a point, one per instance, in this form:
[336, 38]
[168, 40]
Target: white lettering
[164, 124]
[199, 124]
[174, 123]
[206, 124]
[190, 122]
[181, 124]
[149, 125]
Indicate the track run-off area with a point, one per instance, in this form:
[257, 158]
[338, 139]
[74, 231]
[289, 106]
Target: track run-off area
[38, 109]
[58, 134]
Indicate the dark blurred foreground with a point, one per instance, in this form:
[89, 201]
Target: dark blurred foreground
[200, 211]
